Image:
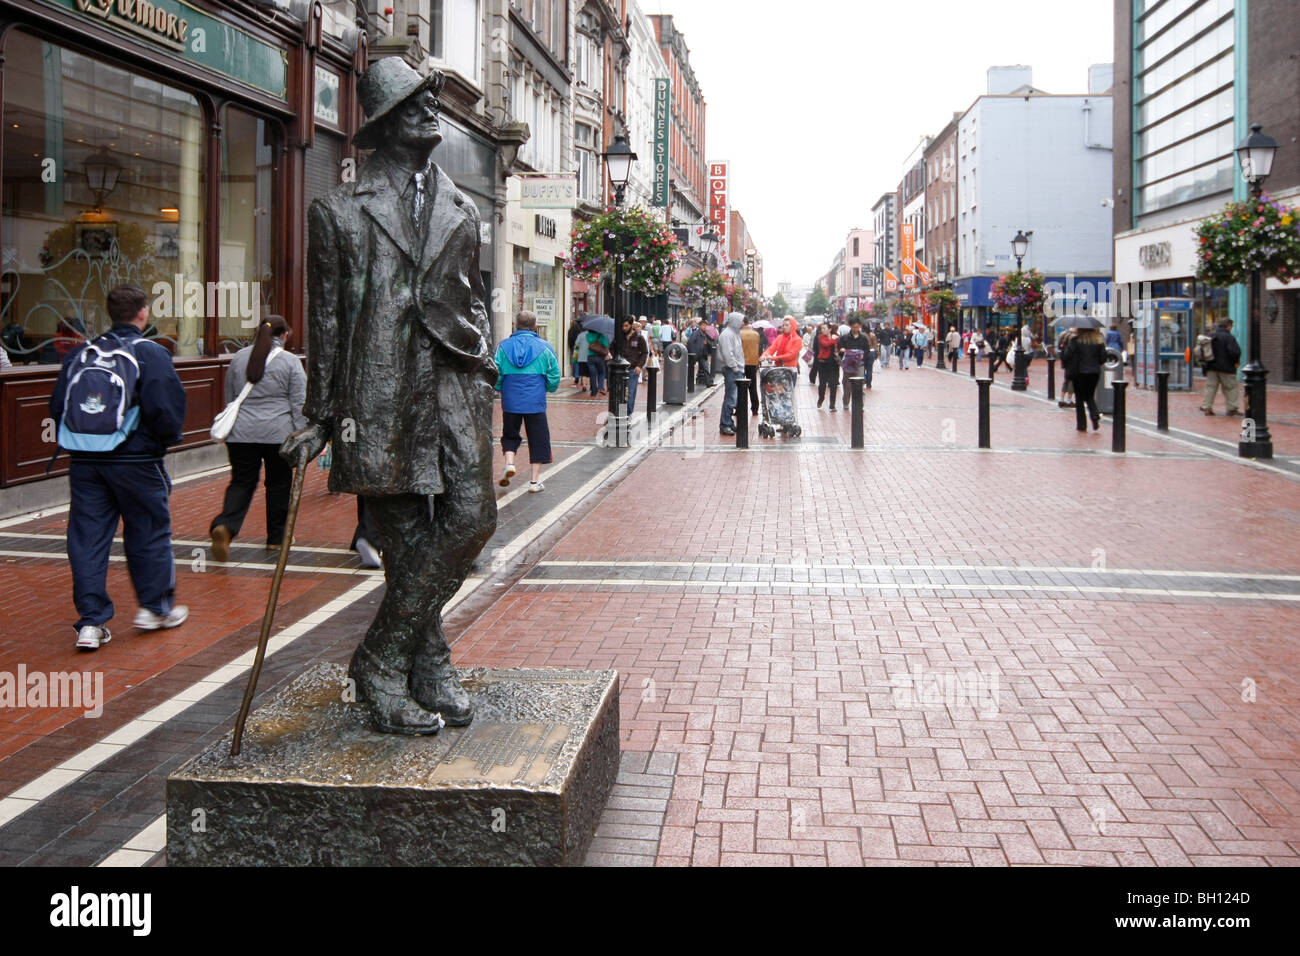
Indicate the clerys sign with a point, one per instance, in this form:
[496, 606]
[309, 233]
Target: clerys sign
[559, 191]
[662, 117]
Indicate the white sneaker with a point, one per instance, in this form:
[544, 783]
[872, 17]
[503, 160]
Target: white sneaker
[507, 475]
[147, 620]
[535, 486]
[369, 556]
[90, 637]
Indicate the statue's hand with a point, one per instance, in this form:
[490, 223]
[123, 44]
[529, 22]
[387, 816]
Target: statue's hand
[304, 445]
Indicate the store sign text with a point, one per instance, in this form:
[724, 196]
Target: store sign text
[1156, 254]
[662, 119]
[140, 15]
[544, 226]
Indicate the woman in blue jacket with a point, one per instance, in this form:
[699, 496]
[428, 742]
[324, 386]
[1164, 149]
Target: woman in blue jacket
[528, 369]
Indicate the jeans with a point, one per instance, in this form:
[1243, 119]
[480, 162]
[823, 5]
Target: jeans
[631, 390]
[884, 356]
[829, 378]
[1085, 389]
[596, 372]
[920, 356]
[728, 421]
[246, 461]
[138, 492]
[902, 356]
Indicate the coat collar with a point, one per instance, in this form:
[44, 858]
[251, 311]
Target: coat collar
[386, 207]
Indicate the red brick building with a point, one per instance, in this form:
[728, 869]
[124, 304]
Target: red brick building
[687, 166]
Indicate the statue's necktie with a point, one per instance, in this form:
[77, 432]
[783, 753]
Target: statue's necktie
[417, 208]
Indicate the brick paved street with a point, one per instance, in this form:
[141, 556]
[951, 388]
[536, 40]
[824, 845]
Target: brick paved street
[1065, 657]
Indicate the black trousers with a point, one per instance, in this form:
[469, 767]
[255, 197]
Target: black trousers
[246, 461]
[829, 374]
[751, 373]
[1085, 387]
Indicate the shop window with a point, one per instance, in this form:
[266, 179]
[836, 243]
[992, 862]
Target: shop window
[103, 184]
[248, 204]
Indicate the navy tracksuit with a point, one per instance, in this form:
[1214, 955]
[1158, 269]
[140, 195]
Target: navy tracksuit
[129, 483]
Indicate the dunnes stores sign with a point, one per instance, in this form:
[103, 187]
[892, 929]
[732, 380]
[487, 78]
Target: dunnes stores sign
[663, 117]
[559, 191]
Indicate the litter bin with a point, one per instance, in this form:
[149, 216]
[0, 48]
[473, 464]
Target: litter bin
[1112, 370]
[675, 368]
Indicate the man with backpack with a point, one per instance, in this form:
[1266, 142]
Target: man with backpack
[1218, 355]
[119, 404]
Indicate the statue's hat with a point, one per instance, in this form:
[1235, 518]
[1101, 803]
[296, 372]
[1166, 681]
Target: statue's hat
[385, 86]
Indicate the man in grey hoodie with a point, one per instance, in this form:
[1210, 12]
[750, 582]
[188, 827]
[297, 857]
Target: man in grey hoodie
[731, 356]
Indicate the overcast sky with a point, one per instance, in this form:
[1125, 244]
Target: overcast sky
[817, 103]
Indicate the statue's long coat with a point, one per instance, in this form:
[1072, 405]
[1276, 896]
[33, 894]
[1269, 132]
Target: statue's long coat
[397, 336]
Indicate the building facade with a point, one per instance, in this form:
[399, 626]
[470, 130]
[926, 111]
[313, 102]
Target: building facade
[1190, 79]
[1038, 163]
[884, 219]
[941, 202]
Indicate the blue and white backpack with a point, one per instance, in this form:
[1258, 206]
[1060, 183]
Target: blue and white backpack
[101, 405]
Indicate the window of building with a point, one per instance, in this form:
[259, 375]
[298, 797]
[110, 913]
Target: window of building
[855, 247]
[455, 35]
[248, 230]
[72, 121]
[1183, 84]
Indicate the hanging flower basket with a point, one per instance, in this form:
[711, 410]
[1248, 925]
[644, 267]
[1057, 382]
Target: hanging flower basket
[1021, 291]
[1258, 234]
[905, 307]
[937, 300]
[634, 237]
[707, 288]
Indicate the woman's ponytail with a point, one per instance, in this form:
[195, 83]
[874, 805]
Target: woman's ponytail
[272, 327]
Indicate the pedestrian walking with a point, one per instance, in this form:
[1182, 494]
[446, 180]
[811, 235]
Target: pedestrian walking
[953, 342]
[785, 350]
[579, 366]
[885, 335]
[1001, 347]
[270, 414]
[1221, 370]
[527, 369]
[903, 347]
[828, 366]
[125, 479]
[597, 354]
[731, 355]
[1084, 357]
[854, 352]
[637, 354]
[665, 335]
[920, 343]
[751, 341]
[1067, 399]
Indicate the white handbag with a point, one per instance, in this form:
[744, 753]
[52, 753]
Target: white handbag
[224, 422]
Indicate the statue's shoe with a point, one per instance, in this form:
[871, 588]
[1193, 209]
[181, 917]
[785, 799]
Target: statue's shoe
[393, 714]
[384, 690]
[439, 690]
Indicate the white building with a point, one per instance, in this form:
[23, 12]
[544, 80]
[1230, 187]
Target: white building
[1037, 162]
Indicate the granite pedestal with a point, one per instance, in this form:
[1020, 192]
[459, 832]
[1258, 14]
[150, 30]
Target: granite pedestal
[314, 785]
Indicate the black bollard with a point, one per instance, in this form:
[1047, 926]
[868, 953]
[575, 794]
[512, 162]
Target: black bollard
[855, 436]
[1162, 401]
[1051, 376]
[956, 356]
[972, 363]
[984, 384]
[1117, 426]
[742, 413]
[992, 360]
[651, 394]
[690, 373]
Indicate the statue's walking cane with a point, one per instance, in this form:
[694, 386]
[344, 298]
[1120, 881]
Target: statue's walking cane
[295, 499]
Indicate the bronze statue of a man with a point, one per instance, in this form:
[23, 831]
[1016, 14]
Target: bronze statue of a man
[400, 377]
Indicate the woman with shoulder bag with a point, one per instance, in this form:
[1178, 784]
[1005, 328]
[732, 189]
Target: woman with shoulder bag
[1085, 355]
[269, 413]
[826, 363]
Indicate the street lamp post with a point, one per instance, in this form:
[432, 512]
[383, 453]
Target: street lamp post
[618, 166]
[1020, 366]
[1256, 156]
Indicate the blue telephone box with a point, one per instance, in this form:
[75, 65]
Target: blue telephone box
[1161, 338]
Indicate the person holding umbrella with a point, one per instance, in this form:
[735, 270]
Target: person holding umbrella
[600, 332]
[1084, 357]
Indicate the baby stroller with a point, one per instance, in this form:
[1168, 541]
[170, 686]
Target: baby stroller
[776, 385]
